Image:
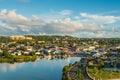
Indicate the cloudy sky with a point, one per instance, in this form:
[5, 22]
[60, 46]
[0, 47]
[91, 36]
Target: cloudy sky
[80, 18]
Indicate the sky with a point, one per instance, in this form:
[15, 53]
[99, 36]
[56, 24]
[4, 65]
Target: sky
[79, 18]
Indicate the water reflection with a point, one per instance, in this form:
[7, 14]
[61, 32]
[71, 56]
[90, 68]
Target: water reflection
[67, 60]
[42, 69]
[5, 67]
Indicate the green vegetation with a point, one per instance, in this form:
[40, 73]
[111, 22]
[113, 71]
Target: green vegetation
[4, 39]
[78, 73]
[97, 72]
[65, 72]
[11, 59]
[100, 74]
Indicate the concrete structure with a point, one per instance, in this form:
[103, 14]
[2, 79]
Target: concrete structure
[20, 38]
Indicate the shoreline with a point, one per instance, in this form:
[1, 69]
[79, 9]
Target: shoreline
[13, 59]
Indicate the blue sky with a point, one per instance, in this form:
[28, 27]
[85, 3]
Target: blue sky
[29, 7]
[81, 18]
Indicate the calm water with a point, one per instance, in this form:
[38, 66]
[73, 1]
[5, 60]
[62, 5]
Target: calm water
[42, 69]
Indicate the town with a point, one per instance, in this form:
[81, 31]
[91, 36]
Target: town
[96, 54]
[21, 45]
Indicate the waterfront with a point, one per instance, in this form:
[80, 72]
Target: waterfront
[42, 69]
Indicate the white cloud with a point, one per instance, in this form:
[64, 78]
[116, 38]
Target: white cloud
[12, 20]
[11, 17]
[100, 18]
[66, 12]
[64, 26]
[12, 23]
[77, 17]
[53, 15]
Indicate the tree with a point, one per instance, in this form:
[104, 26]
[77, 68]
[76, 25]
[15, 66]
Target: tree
[69, 78]
[119, 73]
[6, 54]
[111, 73]
[102, 63]
[32, 53]
[100, 74]
[95, 72]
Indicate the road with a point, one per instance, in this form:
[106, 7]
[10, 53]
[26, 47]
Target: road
[74, 68]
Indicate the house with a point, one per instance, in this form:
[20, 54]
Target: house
[19, 53]
[11, 50]
[87, 52]
[118, 47]
[107, 61]
[49, 50]
[26, 52]
[55, 51]
[85, 49]
[96, 55]
[113, 55]
[91, 47]
[1, 52]
[29, 48]
[91, 63]
[45, 51]
[14, 53]
[66, 49]
[41, 41]
[78, 49]
[37, 53]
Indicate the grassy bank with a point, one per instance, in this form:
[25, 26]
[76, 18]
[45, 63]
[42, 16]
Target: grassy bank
[12, 59]
[100, 74]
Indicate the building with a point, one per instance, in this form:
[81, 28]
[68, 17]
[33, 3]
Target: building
[17, 37]
[20, 38]
[29, 38]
